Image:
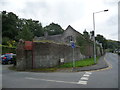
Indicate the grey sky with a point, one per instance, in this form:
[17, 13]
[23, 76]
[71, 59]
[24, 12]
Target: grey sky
[77, 13]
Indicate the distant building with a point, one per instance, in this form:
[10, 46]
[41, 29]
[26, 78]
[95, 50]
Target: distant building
[70, 34]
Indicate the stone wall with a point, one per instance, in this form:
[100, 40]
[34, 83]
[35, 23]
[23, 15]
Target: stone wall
[47, 54]
[50, 54]
[24, 57]
[20, 52]
[88, 52]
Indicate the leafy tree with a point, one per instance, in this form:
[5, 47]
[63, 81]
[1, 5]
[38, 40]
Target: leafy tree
[8, 42]
[5, 40]
[112, 45]
[83, 43]
[11, 43]
[53, 29]
[12, 25]
[35, 27]
[9, 24]
[25, 34]
[20, 24]
[101, 39]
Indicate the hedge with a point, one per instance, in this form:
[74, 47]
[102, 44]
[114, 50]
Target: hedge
[6, 49]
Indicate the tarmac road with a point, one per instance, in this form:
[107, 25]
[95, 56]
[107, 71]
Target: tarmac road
[106, 78]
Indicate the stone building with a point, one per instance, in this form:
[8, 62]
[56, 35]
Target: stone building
[70, 34]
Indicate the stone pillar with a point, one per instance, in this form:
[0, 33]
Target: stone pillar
[20, 59]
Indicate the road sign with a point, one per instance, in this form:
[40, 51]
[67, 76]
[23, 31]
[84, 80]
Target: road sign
[73, 45]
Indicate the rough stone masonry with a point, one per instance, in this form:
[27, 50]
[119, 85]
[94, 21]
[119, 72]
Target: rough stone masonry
[45, 55]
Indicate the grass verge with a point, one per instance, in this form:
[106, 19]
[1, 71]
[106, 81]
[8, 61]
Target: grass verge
[81, 63]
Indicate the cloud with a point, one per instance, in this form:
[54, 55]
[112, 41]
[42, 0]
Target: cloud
[111, 2]
[61, 11]
[77, 13]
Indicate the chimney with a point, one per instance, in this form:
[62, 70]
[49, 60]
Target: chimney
[45, 34]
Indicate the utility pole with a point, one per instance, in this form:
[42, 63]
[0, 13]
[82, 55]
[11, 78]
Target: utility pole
[94, 32]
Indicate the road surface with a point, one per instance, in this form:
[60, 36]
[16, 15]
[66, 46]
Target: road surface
[106, 78]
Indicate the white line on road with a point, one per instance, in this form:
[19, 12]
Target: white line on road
[84, 78]
[87, 75]
[88, 72]
[51, 80]
[82, 82]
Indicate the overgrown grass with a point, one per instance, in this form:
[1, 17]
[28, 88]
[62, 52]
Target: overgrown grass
[81, 63]
[50, 41]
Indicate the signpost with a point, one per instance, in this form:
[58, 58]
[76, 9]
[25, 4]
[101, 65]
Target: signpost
[73, 46]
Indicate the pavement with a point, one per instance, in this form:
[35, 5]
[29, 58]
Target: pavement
[102, 64]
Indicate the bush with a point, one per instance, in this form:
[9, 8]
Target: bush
[8, 50]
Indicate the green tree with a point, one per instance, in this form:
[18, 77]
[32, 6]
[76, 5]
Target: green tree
[112, 45]
[101, 39]
[9, 24]
[83, 43]
[53, 29]
[5, 40]
[35, 27]
[20, 24]
[25, 34]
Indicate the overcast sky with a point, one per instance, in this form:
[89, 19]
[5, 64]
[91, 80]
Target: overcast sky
[77, 13]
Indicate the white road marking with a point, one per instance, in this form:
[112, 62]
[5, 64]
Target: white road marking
[82, 82]
[51, 80]
[84, 78]
[88, 72]
[87, 75]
